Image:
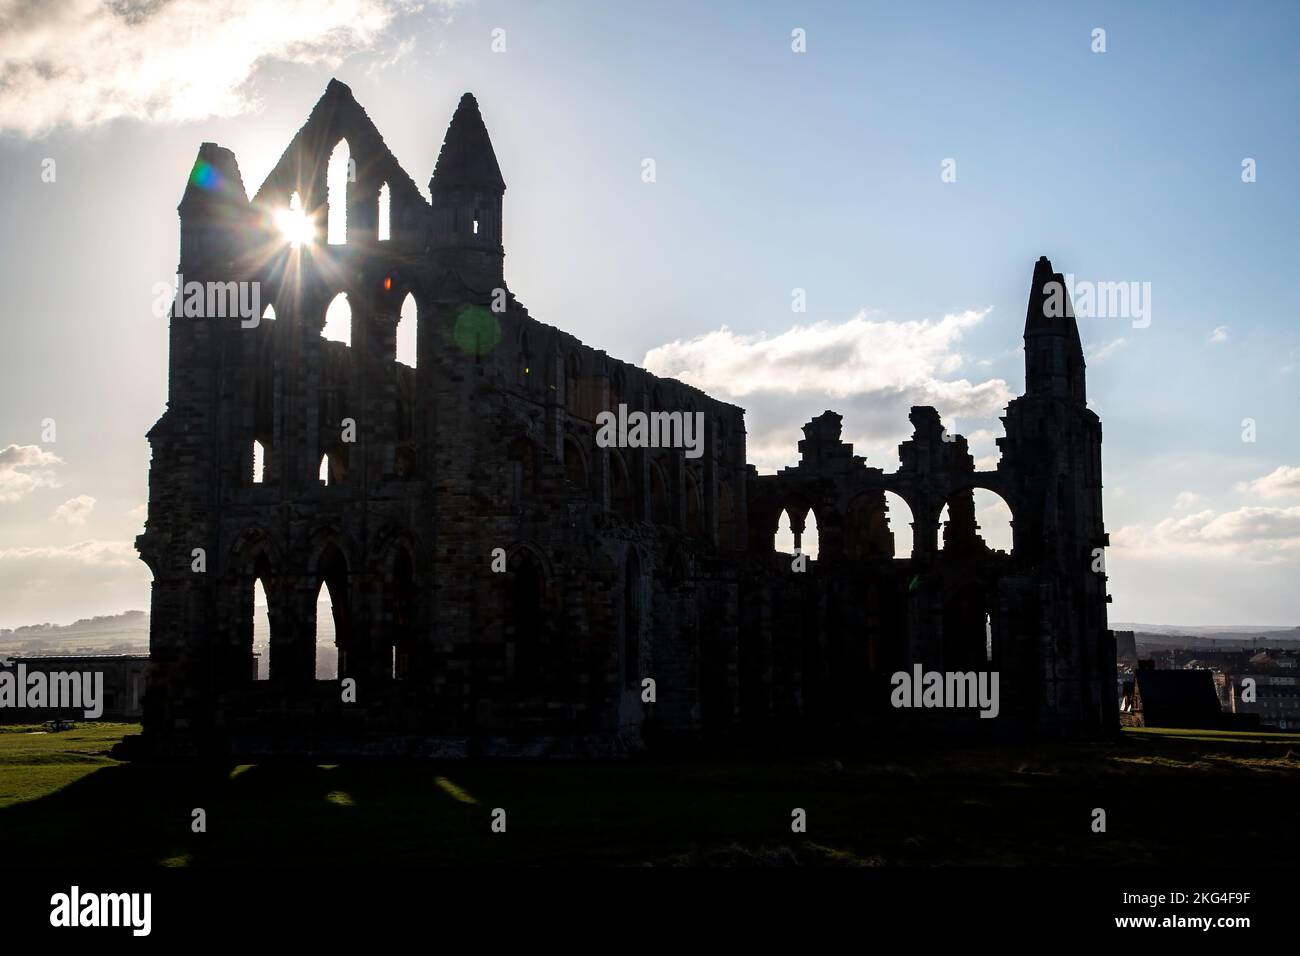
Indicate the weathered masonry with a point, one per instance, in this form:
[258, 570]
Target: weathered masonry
[502, 583]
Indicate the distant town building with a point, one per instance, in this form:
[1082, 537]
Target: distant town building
[1173, 698]
[123, 690]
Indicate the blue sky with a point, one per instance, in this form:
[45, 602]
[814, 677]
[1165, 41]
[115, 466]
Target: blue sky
[775, 171]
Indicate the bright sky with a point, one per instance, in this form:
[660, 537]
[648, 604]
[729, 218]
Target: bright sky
[775, 171]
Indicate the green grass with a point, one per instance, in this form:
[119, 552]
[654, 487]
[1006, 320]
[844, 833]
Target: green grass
[63, 801]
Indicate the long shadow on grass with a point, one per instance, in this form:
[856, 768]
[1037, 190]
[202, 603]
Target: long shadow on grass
[1026, 805]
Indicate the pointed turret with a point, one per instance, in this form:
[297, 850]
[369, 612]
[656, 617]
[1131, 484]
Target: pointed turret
[1053, 352]
[467, 160]
[466, 190]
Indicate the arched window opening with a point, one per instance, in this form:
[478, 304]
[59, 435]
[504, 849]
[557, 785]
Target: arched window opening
[898, 523]
[331, 617]
[878, 525]
[268, 314]
[808, 541]
[385, 215]
[784, 541]
[620, 492]
[295, 226]
[259, 462]
[988, 638]
[338, 320]
[338, 174]
[261, 628]
[523, 468]
[575, 468]
[632, 621]
[726, 518]
[660, 502]
[256, 617]
[975, 520]
[407, 323]
[694, 506]
[525, 591]
[403, 590]
[334, 466]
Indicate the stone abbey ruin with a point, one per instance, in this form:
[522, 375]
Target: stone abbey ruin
[502, 583]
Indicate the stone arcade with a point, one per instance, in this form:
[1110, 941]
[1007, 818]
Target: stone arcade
[622, 563]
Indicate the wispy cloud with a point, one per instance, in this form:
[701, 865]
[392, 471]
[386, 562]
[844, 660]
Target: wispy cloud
[1099, 353]
[96, 553]
[1220, 334]
[80, 63]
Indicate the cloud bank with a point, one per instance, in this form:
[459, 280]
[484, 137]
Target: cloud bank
[870, 370]
[80, 63]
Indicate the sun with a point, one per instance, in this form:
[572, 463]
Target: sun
[294, 224]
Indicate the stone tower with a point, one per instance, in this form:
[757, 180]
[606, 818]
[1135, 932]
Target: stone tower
[1052, 451]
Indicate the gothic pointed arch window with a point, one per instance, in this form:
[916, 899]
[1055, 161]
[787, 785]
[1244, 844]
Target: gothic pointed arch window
[575, 464]
[407, 323]
[385, 213]
[572, 384]
[522, 456]
[660, 499]
[525, 604]
[694, 506]
[621, 501]
[632, 587]
[339, 173]
[338, 320]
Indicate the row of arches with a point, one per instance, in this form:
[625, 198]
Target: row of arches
[301, 627]
[338, 326]
[887, 531]
[524, 459]
[332, 472]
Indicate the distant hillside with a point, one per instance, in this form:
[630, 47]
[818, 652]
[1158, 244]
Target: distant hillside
[1222, 631]
[125, 633]
[1221, 637]
[128, 633]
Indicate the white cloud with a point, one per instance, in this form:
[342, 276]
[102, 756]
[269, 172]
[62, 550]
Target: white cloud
[75, 510]
[23, 469]
[871, 371]
[84, 62]
[1252, 533]
[1220, 334]
[1282, 482]
[1186, 499]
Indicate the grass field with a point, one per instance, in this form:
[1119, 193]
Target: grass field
[1171, 798]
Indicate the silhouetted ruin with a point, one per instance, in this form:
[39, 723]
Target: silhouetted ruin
[501, 583]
